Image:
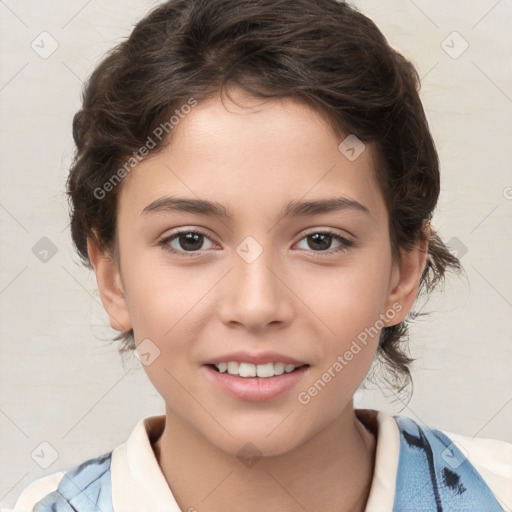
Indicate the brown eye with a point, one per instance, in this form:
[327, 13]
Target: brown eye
[190, 241]
[185, 242]
[321, 241]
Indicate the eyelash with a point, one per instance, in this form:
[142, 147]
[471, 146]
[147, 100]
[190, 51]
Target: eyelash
[345, 243]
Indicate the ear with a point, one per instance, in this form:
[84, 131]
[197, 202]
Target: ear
[406, 278]
[110, 286]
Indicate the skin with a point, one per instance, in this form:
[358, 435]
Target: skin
[254, 159]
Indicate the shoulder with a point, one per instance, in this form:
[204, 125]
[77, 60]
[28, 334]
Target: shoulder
[492, 458]
[74, 489]
[37, 490]
[458, 467]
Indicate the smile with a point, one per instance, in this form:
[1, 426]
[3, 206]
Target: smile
[265, 371]
[255, 382]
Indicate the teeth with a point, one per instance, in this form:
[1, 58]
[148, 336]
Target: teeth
[247, 370]
[233, 368]
[252, 370]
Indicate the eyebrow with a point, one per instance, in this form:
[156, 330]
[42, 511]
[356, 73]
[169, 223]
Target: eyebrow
[293, 208]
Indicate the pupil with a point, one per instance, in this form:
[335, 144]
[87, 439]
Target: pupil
[318, 238]
[191, 238]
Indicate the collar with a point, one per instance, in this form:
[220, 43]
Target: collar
[139, 484]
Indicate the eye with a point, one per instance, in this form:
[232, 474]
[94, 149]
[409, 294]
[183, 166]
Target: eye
[186, 242]
[320, 241]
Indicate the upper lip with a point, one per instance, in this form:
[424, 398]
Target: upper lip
[260, 358]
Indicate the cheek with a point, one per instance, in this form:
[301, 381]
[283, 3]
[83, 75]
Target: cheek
[168, 309]
[349, 301]
[348, 298]
[161, 298]
[348, 343]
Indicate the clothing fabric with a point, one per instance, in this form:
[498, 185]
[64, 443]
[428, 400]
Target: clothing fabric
[417, 468]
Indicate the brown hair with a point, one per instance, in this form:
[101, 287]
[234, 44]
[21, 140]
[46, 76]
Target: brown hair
[323, 52]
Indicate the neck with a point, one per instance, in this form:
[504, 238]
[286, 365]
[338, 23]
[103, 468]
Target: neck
[331, 471]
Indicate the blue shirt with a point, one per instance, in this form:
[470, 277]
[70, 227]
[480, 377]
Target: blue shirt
[432, 475]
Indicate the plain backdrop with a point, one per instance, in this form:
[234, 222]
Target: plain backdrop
[64, 384]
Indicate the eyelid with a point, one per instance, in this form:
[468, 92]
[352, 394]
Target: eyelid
[326, 230]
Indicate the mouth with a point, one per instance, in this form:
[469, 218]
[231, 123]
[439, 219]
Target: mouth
[255, 382]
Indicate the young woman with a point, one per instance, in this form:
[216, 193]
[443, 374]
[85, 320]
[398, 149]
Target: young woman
[253, 186]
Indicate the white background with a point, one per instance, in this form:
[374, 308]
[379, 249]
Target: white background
[63, 382]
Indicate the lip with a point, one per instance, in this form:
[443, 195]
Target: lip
[261, 358]
[255, 389]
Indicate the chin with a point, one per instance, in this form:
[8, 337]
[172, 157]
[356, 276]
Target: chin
[260, 442]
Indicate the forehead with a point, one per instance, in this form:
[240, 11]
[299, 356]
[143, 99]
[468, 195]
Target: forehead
[253, 154]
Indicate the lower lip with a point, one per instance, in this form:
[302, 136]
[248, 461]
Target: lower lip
[256, 389]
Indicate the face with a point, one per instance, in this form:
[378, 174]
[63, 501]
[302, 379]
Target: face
[259, 277]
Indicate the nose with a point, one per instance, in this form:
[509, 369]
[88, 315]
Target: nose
[255, 293]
